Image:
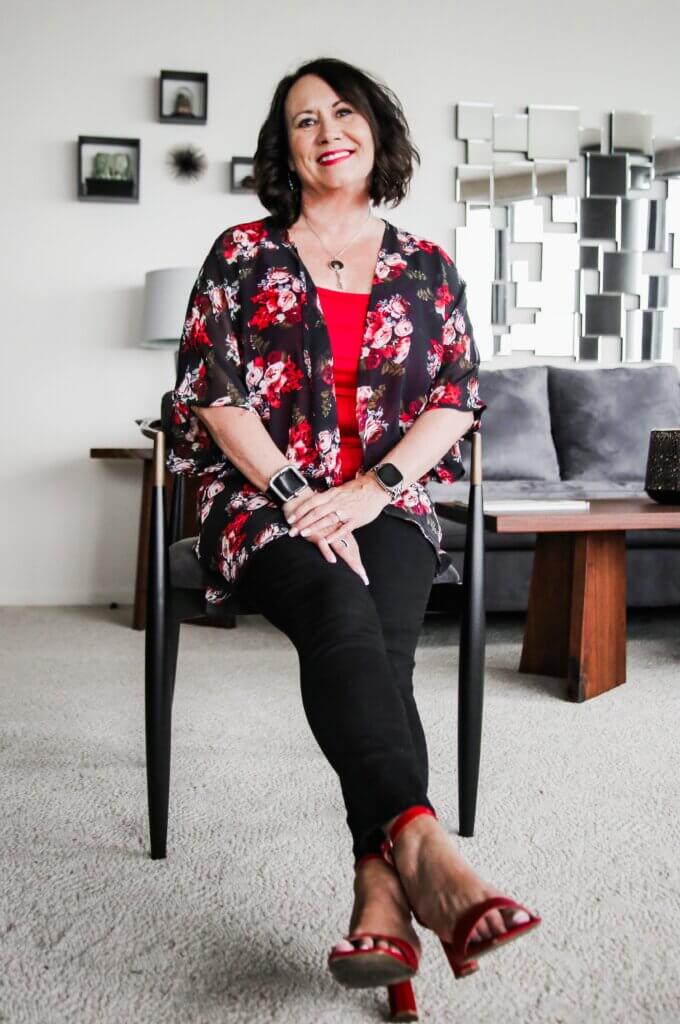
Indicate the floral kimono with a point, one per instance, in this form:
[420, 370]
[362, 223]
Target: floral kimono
[255, 337]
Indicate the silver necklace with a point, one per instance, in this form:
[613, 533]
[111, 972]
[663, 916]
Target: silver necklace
[335, 263]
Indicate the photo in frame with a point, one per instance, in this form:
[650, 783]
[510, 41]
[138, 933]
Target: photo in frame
[183, 97]
[242, 177]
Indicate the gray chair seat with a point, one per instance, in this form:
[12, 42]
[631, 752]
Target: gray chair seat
[186, 572]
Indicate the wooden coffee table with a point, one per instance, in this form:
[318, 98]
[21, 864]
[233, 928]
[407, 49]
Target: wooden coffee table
[576, 622]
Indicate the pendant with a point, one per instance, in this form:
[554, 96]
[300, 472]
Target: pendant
[337, 266]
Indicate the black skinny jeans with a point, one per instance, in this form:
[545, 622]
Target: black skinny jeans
[356, 647]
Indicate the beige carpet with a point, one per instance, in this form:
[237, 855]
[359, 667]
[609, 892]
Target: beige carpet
[578, 816]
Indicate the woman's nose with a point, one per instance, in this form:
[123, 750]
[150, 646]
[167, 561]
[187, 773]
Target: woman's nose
[328, 131]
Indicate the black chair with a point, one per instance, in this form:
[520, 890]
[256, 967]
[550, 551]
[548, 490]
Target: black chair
[176, 586]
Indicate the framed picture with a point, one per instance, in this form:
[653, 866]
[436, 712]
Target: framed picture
[242, 177]
[108, 169]
[183, 97]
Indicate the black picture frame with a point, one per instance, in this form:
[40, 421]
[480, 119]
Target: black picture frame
[170, 84]
[92, 189]
[241, 168]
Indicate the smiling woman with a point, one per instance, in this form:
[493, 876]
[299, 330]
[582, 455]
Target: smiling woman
[334, 95]
[326, 373]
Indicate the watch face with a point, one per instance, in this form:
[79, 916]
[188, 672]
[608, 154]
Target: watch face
[287, 483]
[289, 480]
[390, 475]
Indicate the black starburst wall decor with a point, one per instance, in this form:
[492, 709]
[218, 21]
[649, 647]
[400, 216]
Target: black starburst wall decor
[187, 163]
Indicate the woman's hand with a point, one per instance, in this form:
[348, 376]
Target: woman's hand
[346, 546]
[348, 549]
[334, 513]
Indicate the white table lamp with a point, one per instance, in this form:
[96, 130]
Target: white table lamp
[166, 295]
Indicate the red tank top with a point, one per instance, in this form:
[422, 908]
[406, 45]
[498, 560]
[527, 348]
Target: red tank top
[345, 316]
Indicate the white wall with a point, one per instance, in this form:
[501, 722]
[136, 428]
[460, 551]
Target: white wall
[72, 272]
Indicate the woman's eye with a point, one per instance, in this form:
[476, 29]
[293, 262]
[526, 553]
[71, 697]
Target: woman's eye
[307, 120]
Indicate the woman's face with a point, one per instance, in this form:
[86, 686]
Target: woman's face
[330, 143]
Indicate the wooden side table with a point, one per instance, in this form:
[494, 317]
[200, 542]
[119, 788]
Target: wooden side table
[142, 455]
[189, 526]
[576, 620]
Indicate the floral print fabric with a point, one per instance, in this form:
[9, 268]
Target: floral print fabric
[255, 337]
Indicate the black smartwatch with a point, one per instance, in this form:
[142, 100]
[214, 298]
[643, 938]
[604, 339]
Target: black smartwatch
[285, 484]
[389, 478]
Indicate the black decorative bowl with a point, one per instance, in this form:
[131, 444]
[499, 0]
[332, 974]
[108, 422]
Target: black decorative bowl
[662, 479]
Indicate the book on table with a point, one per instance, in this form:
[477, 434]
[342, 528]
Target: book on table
[506, 506]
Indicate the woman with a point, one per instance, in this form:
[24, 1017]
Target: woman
[327, 371]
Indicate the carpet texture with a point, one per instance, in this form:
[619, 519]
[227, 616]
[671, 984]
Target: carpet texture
[578, 816]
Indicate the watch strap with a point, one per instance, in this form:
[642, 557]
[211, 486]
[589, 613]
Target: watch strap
[393, 491]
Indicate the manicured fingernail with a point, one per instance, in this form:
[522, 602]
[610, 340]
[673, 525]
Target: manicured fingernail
[303, 533]
[291, 518]
[365, 579]
[292, 532]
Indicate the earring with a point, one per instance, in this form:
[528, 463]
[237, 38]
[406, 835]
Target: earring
[290, 182]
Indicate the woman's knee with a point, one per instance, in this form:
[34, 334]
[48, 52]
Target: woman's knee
[340, 601]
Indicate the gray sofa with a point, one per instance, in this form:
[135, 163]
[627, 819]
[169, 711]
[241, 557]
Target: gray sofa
[554, 432]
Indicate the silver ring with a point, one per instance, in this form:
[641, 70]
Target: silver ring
[343, 541]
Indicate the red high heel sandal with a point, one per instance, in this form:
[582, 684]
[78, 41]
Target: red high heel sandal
[460, 947]
[366, 968]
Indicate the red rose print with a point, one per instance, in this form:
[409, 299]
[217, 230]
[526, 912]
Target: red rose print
[442, 297]
[446, 394]
[280, 298]
[202, 304]
[195, 334]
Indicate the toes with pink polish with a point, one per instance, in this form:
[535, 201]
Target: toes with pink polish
[343, 946]
[520, 917]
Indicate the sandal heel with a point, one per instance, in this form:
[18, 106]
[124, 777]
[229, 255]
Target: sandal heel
[402, 1001]
[461, 966]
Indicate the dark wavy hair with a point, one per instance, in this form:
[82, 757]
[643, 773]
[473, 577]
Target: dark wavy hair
[394, 151]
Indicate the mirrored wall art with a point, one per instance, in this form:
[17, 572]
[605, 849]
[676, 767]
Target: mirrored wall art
[576, 229]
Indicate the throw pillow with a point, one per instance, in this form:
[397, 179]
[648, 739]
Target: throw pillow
[516, 439]
[602, 418]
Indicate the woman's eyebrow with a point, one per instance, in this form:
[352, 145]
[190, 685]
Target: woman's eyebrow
[314, 111]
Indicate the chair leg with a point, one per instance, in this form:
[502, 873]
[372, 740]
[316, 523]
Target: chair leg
[176, 525]
[172, 627]
[158, 698]
[471, 664]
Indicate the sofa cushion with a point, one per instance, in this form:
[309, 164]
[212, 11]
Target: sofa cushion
[516, 439]
[602, 418]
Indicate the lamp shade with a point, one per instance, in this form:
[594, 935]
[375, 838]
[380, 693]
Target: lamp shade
[166, 294]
